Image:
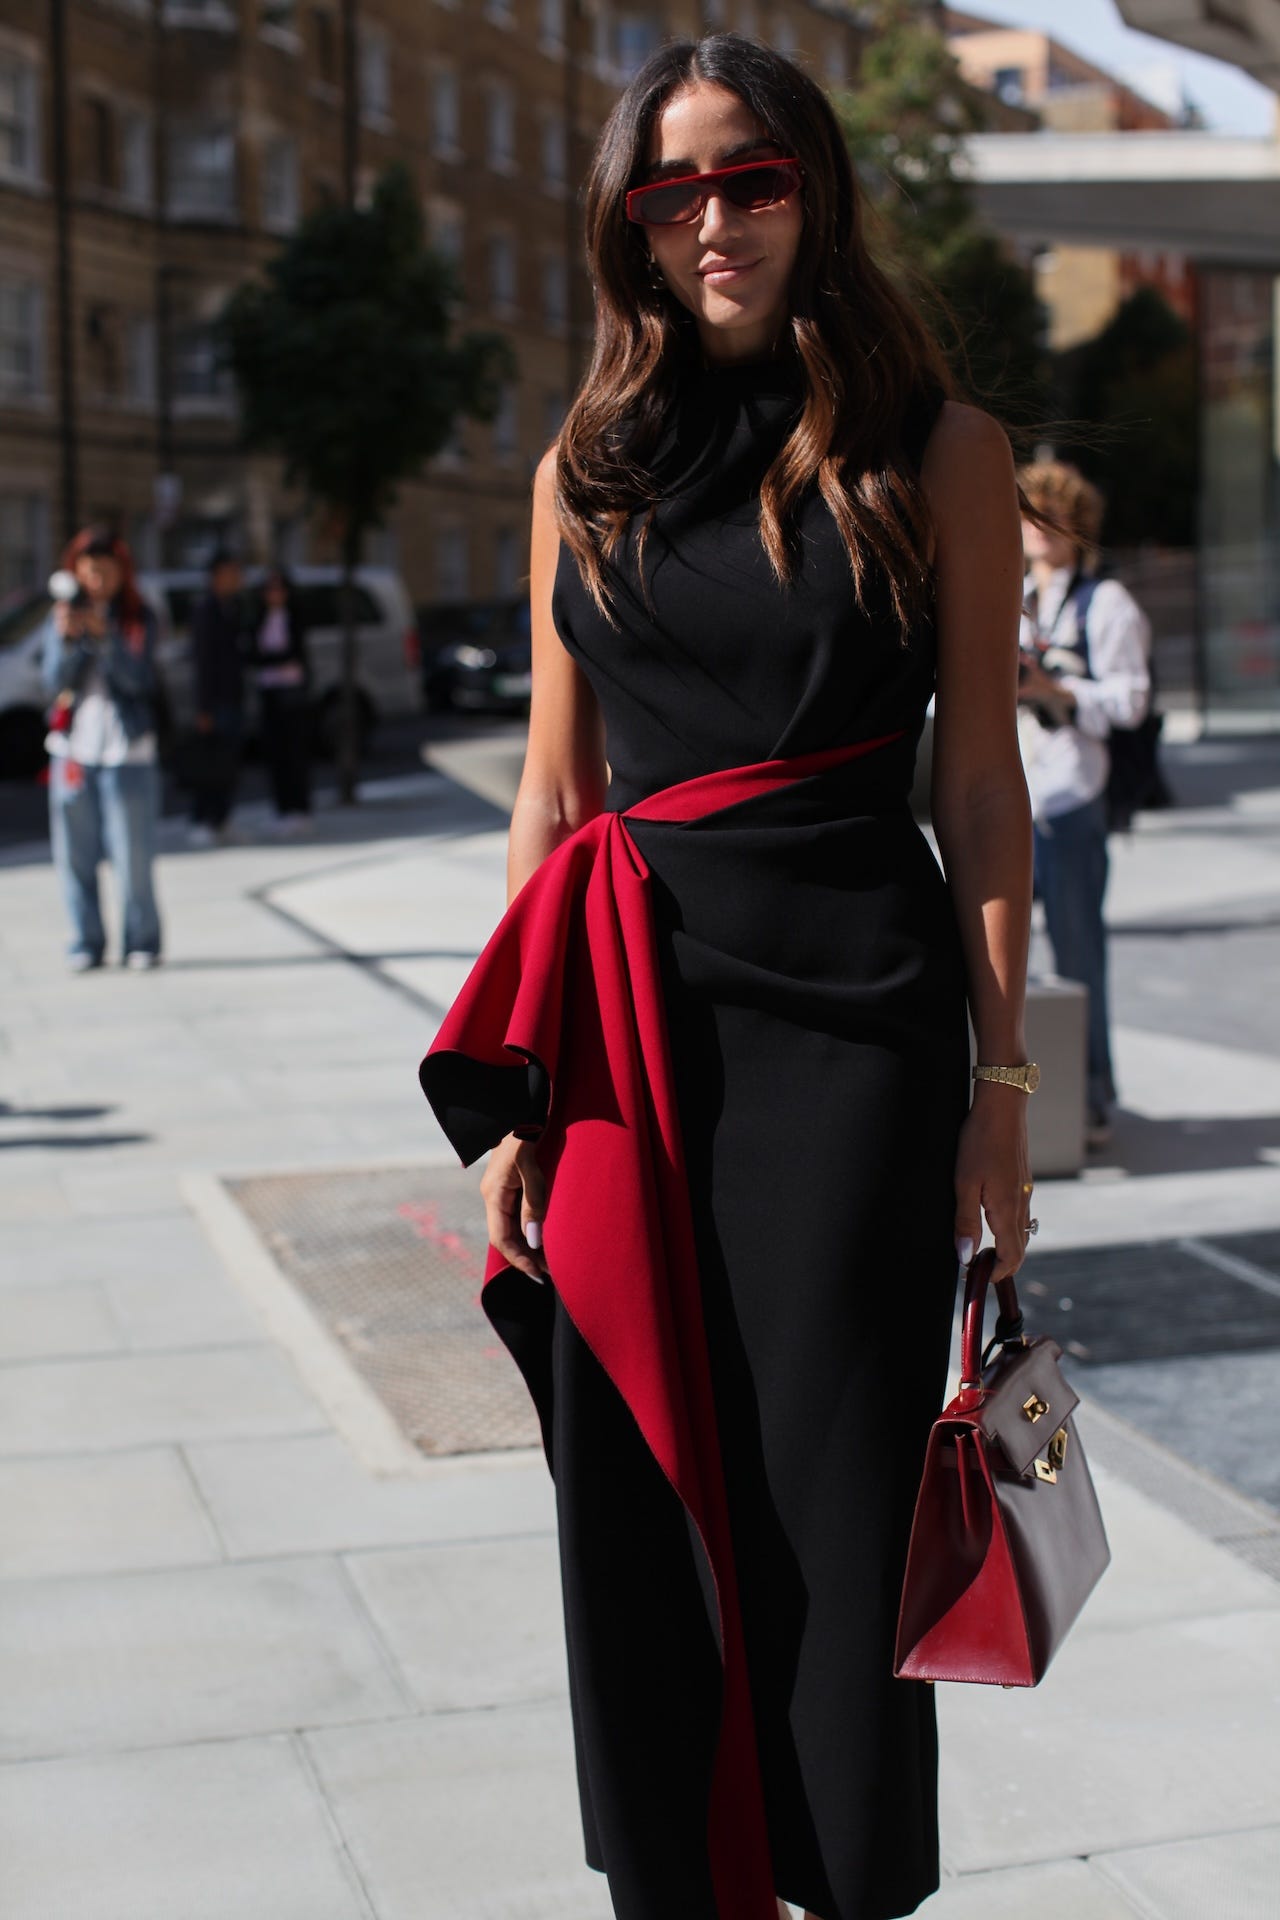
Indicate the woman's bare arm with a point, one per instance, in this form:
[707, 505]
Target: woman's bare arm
[565, 775]
[981, 814]
[562, 785]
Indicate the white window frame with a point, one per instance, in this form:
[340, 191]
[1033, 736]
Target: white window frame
[279, 183]
[137, 157]
[22, 322]
[553, 143]
[287, 33]
[198, 206]
[209, 16]
[504, 272]
[500, 13]
[141, 362]
[373, 79]
[446, 113]
[551, 27]
[25, 121]
[554, 276]
[500, 127]
[453, 573]
[217, 398]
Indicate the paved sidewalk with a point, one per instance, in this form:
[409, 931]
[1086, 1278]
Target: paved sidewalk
[261, 1659]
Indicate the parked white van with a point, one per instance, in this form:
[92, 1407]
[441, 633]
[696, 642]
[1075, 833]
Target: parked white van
[388, 651]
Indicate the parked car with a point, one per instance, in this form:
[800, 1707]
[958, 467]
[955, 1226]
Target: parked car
[477, 656]
[387, 645]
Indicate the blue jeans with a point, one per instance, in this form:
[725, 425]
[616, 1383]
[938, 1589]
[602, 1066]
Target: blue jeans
[1071, 877]
[107, 812]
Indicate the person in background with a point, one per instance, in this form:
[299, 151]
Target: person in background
[99, 671]
[218, 645]
[1077, 679]
[278, 663]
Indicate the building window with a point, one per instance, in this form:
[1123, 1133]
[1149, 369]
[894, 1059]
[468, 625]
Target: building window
[1010, 84]
[837, 61]
[137, 182]
[551, 25]
[506, 563]
[280, 184]
[555, 291]
[21, 340]
[784, 34]
[502, 273]
[501, 127]
[200, 13]
[555, 155]
[447, 232]
[24, 542]
[552, 414]
[280, 17]
[453, 569]
[324, 43]
[500, 13]
[200, 380]
[446, 121]
[100, 143]
[506, 424]
[19, 126]
[375, 73]
[140, 360]
[104, 351]
[202, 173]
[748, 23]
[716, 15]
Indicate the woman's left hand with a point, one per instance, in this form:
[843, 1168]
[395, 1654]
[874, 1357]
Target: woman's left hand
[993, 1170]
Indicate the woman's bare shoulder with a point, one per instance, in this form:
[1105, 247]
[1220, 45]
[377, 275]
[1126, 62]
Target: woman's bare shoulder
[963, 434]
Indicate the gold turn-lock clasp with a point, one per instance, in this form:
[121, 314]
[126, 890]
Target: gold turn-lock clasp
[1056, 1452]
[1035, 1408]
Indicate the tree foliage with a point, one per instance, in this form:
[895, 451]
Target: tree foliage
[906, 122]
[343, 358]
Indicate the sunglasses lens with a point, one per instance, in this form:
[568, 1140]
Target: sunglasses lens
[663, 206]
[751, 189]
[759, 187]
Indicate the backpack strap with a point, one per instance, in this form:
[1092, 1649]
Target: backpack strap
[1083, 598]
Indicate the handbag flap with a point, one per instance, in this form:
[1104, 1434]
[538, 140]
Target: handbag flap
[1025, 1400]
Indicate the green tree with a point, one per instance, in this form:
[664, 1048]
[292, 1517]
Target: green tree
[1134, 386]
[905, 123]
[345, 367]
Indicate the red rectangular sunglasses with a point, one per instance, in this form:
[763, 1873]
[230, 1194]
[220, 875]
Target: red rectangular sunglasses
[753, 185]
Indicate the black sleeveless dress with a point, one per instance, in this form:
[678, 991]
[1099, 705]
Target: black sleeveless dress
[815, 999]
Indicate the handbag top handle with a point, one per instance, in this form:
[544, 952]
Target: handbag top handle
[1008, 1319]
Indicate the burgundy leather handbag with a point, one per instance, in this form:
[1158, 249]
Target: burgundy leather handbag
[1007, 1542]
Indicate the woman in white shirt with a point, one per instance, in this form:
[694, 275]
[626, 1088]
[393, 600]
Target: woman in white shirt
[1084, 669]
[99, 672]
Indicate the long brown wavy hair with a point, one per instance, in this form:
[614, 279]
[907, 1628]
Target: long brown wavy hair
[866, 352]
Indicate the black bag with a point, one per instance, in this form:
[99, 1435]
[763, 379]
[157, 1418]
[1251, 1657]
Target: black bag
[1136, 782]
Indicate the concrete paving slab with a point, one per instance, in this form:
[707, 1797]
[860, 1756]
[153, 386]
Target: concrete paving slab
[101, 1514]
[464, 1816]
[1063, 1890]
[1134, 1737]
[43, 1321]
[56, 1250]
[477, 1624]
[140, 1659]
[1234, 1876]
[180, 1309]
[184, 1833]
[310, 1494]
[131, 1400]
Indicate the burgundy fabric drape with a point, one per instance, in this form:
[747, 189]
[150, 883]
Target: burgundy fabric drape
[569, 984]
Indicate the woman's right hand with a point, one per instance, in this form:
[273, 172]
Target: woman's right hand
[515, 1194]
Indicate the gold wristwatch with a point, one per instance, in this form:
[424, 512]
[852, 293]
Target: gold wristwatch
[1027, 1076]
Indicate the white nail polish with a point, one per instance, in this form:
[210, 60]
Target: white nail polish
[533, 1233]
[964, 1248]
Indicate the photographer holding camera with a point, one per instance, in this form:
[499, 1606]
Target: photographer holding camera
[99, 672]
[1083, 670]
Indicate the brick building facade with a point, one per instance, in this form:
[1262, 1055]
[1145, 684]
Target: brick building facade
[152, 152]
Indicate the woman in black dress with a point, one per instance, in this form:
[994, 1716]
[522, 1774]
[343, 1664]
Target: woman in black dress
[718, 1043]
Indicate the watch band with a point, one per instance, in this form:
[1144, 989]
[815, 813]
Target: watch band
[1026, 1077]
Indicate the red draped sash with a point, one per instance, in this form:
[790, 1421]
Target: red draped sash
[570, 979]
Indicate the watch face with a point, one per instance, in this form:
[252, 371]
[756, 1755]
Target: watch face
[1033, 1077]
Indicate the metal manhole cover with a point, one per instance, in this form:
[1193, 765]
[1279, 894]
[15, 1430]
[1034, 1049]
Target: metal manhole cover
[1153, 1300]
[392, 1261]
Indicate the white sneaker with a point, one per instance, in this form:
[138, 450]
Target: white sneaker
[140, 962]
[82, 962]
[199, 835]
